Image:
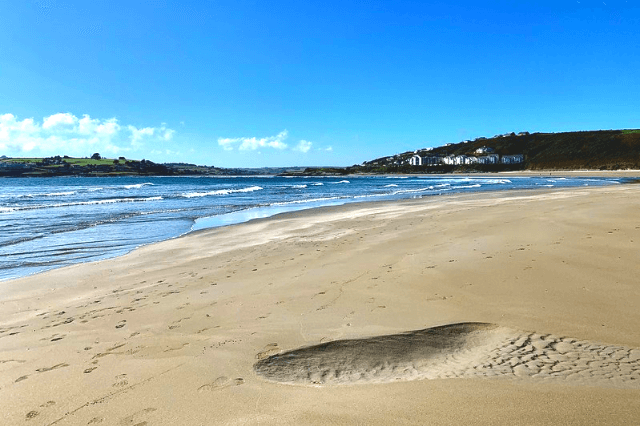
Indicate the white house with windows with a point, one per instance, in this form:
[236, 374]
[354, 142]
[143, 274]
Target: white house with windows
[484, 150]
[512, 159]
[432, 160]
[416, 160]
[449, 160]
[460, 159]
[489, 159]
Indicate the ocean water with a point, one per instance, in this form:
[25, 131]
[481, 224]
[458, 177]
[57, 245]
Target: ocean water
[48, 223]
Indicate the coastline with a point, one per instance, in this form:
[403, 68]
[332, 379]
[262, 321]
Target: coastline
[32, 259]
[172, 330]
[526, 173]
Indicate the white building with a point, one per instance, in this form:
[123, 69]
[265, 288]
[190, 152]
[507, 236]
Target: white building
[432, 160]
[484, 150]
[459, 160]
[512, 159]
[489, 159]
[416, 160]
[449, 159]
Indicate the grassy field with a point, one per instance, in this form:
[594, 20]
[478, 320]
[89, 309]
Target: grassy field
[631, 131]
[72, 161]
[89, 161]
[22, 160]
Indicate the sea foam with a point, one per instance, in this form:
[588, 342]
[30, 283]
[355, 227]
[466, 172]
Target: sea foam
[221, 192]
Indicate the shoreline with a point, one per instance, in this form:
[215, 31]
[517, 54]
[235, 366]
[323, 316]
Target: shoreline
[528, 173]
[171, 331]
[246, 215]
[536, 172]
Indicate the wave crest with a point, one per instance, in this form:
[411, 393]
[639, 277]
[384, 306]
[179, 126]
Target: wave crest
[221, 192]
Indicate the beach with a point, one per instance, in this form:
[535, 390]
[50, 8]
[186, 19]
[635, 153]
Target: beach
[541, 288]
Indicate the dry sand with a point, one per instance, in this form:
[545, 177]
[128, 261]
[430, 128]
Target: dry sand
[502, 308]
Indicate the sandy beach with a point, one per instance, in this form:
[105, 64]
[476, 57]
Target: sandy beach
[498, 308]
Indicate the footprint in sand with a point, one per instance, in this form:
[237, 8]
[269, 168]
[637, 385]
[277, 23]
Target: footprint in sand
[176, 348]
[465, 350]
[55, 367]
[33, 414]
[137, 418]
[221, 383]
[270, 349]
[121, 381]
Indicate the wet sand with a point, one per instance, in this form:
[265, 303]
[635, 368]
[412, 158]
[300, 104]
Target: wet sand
[501, 308]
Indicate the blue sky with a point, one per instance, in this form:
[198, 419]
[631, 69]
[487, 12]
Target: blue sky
[279, 83]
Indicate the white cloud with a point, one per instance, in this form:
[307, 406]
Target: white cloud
[303, 146]
[226, 143]
[252, 144]
[108, 127]
[64, 133]
[167, 134]
[329, 149]
[87, 125]
[60, 119]
[137, 135]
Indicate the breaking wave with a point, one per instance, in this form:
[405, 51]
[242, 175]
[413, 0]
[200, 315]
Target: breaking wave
[221, 192]
[49, 194]
[81, 203]
[138, 185]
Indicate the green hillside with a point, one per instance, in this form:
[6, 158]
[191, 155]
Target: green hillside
[594, 150]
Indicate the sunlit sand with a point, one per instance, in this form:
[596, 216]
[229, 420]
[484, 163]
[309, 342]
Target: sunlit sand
[500, 308]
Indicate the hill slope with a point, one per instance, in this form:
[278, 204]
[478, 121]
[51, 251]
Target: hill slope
[603, 150]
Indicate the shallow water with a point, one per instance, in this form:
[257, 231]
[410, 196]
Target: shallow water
[47, 223]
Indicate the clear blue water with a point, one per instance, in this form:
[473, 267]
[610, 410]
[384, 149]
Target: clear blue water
[47, 223]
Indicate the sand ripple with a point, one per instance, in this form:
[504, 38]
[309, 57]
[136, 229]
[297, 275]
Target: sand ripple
[463, 350]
